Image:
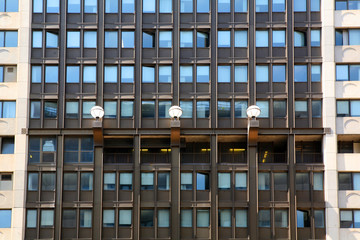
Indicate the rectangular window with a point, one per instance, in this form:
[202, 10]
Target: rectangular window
[303, 218]
[301, 109]
[241, 73]
[319, 218]
[224, 217]
[86, 109]
[241, 38]
[186, 181]
[202, 109]
[31, 218]
[128, 6]
[319, 181]
[315, 38]
[262, 73]
[70, 181]
[110, 74]
[52, 6]
[52, 39]
[163, 181]
[149, 6]
[262, 38]
[86, 181]
[280, 109]
[223, 6]
[224, 39]
[349, 181]
[125, 217]
[9, 6]
[148, 74]
[300, 73]
[51, 74]
[202, 74]
[299, 5]
[343, 108]
[299, 38]
[280, 182]
[37, 6]
[241, 218]
[73, 39]
[202, 181]
[36, 74]
[6, 183]
[111, 39]
[148, 40]
[147, 181]
[186, 6]
[279, 73]
[50, 110]
[316, 108]
[146, 218]
[279, 38]
[224, 74]
[125, 181]
[78, 148]
[108, 218]
[127, 74]
[163, 218]
[186, 74]
[241, 6]
[302, 182]
[354, 36]
[90, 6]
[69, 218]
[33, 182]
[347, 72]
[111, 6]
[186, 218]
[109, 181]
[36, 39]
[110, 108]
[90, 39]
[262, 5]
[264, 106]
[315, 5]
[264, 218]
[316, 73]
[165, 6]
[278, 6]
[164, 107]
[224, 109]
[85, 218]
[47, 218]
[127, 39]
[127, 109]
[148, 109]
[72, 74]
[240, 181]
[224, 181]
[346, 219]
[89, 74]
[202, 39]
[42, 150]
[48, 182]
[203, 6]
[202, 218]
[165, 74]
[281, 218]
[35, 109]
[264, 181]
[73, 6]
[7, 145]
[8, 74]
[186, 39]
[187, 107]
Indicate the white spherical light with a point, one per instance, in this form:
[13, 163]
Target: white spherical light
[97, 112]
[175, 112]
[253, 111]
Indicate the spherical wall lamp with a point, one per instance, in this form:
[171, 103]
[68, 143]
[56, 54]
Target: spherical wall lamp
[175, 112]
[97, 112]
[253, 111]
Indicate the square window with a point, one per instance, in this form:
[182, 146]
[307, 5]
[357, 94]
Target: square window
[202, 39]
[224, 181]
[203, 6]
[50, 109]
[111, 39]
[149, 6]
[278, 6]
[299, 5]
[37, 39]
[261, 5]
[110, 74]
[186, 181]
[300, 73]
[187, 107]
[125, 217]
[315, 38]
[148, 74]
[148, 109]
[90, 6]
[264, 218]
[127, 109]
[186, 218]
[85, 218]
[281, 218]
[111, 6]
[51, 74]
[148, 40]
[72, 74]
[241, 38]
[89, 74]
[301, 109]
[279, 38]
[86, 181]
[72, 110]
[127, 74]
[165, 75]
[7, 145]
[87, 108]
[73, 39]
[37, 6]
[125, 181]
[110, 108]
[186, 6]
[299, 38]
[241, 6]
[223, 6]
[279, 73]
[224, 109]
[202, 181]
[31, 218]
[128, 6]
[146, 218]
[202, 218]
[69, 218]
[202, 74]
[186, 74]
[224, 74]
[224, 38]
[240, 109]
[241, 218]
[262, 38]
[47, 218]
[70, 181]
[165, 6]
[224, 217]
[280, 109]
[241, 73]
[90, 39]
[109, 181]
[127, 39]
[52, 6]
[147, 181]
[262, 73]
[186, 39]
[73, 6]
[52, 39]
[202, 109]
[264, 181]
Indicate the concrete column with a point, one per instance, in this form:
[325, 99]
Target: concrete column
[98, 184]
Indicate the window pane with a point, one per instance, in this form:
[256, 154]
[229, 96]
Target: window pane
[51, 74]
[316, 109]
[37, 39]
[354, 36]
[264, 218]
[202, 74]
[279, 109]
[165, 74]
[318, 181]
[299, 38]
[164, 107]
[203, 6]
[148, 74]
[280, 181]
[48, 182]
[90, 6]
[224, 181]
[163, 218]
[125, 217]
[127, 39]
[7, 145]
[224, 74]
[202, 39]
[186, 39]
[33, 182]
[109, 181]
[147, 181]
[163, 181]
[202, 109]
[149, 6]
[224, 109]
[261, 5]
[73, 6]
[110, 108]
[186, 218]
[338, 37]
[315, 5]
[315, 38]
[354, 72]
[240, 109]
[50, 110]
[278, 6]
[356, 181]
[302, 182]
[35, 110]
[165, 6]
[36, 74]
[148, 109]
[262, 38]
[319, 217]
[186, 181]
[224, 38]
[186, 74]
[110, 74]
[223, 5]
[73, 39]
[241, 218]
[186, 6]
[342, 108]
[281, 218]
[315, 73]
[264, 107]
[202, 181]
[300, 73]
[356, 218]
[111, 6]
[127, 109]
[225, 218]
[262, 73]
[111, 39]
[354, 4]
[52, 39]
[264, 181]
[52, 6]
[128, 6]
[279, 73]
[72, 74]
[86, 181]
[202, 218]
[90, 39]
[89, 75]
[8, 109]
[37, 6]
[69, 219]
[85, 218]
[70, 181]
[146, 218]
[303, 219]
[241, 73]
[299, 5]
[279, 38]
[31, 218]
[240, 181]
[240, 5]
[86, 109]
[125, 181]
[301, 109]
[127, 74]
[187, 107]
[148, 40]
[241, 38]
[355, 108]
[47, 218]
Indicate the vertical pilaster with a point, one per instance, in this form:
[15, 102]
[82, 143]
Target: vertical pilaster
[137, 183]
[214, 188]
[59, 176]
[292, 186]
[98, 192]
[175, 192]
[253, 191]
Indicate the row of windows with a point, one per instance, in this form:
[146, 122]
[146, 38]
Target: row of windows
[165, 6]
[349, 181]
[8, 38]
[9, 5]
[348, 72]
[350, 218]
[348, 108]
[148, 109]
[163, 73]
[347, 37]
[347, 5]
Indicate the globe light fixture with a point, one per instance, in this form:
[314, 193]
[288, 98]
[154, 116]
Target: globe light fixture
[253, 111]
[97, 112]
[175, 112]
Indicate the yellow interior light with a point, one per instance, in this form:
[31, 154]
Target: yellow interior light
[237, 149]
[165, 150]
[144, 150]
[205, 149]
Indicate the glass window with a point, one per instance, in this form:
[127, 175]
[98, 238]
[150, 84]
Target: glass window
[342, 108]
[354, 36]
[280, 109]
[47, 218]
[262, 73]
[278, 6]
[354, 72]
[202, 109]
[315, 5]
[240, 181]
[241, 218]
[224, 38]
[148, 109]
[127, 109]
[224, 180]
[301, 109]
[149, 6]
[86, 109]
[164, 107]
[111, 39]
[165, 6]
[302, 182]
[125, 217]
[72, 74]
[186, 74]
[202, 39]
[35, 109]
[127, 74]
[240, 5]
[315, 38]
[262, 5]
[111, 6]
[146, 218]
[187, 107]
[36, 74]
[148, 74]
[346, 219]
[264, 218]
[50, 109]
[224, 74]
[299, 5]
[224, 217]
[202, 181]
[281, 218]
[241, 38]
[224, 109]
[186, 181]
[86, 181]
[203, 6]
[90, 6]
[52, 6]
[163, 181]
[262, 38]
[240, 109]
[7, 145]
[90, 39]
[8, 38]
[319, 181]
[338, 37]
[73, 6]
[125, 181]
[85, 218]
[109, 181]
[73, 39]
[69, 219]
[48, 182]
[186, 6]
[163, 218]
[89, 74]
[127, 39]
[264, 181]
[165, 74]
[7, 109]
[202, 74]
[280, 182]
[148, 40]
[354, 4]
[279, 73]
[6, 183]
[147, 181]
[110, 108]
[300, 73]
[37, 6]
[186, 218]
[264, 107]
[315, 73]
[110, 74]
[279, 38]
[165, 39]
[70, 181]
[316, 108]
[319, 217]
[31, 218]
[108, 218]
[299, 39]
[241, 73]
[128, 6]
[51, 74]
[303, 218]
[186, 39]
[9, 5]
[52, 39]
[202, 218]
[223, 5]
[33, 182]
[355, 108]
[37, 39]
